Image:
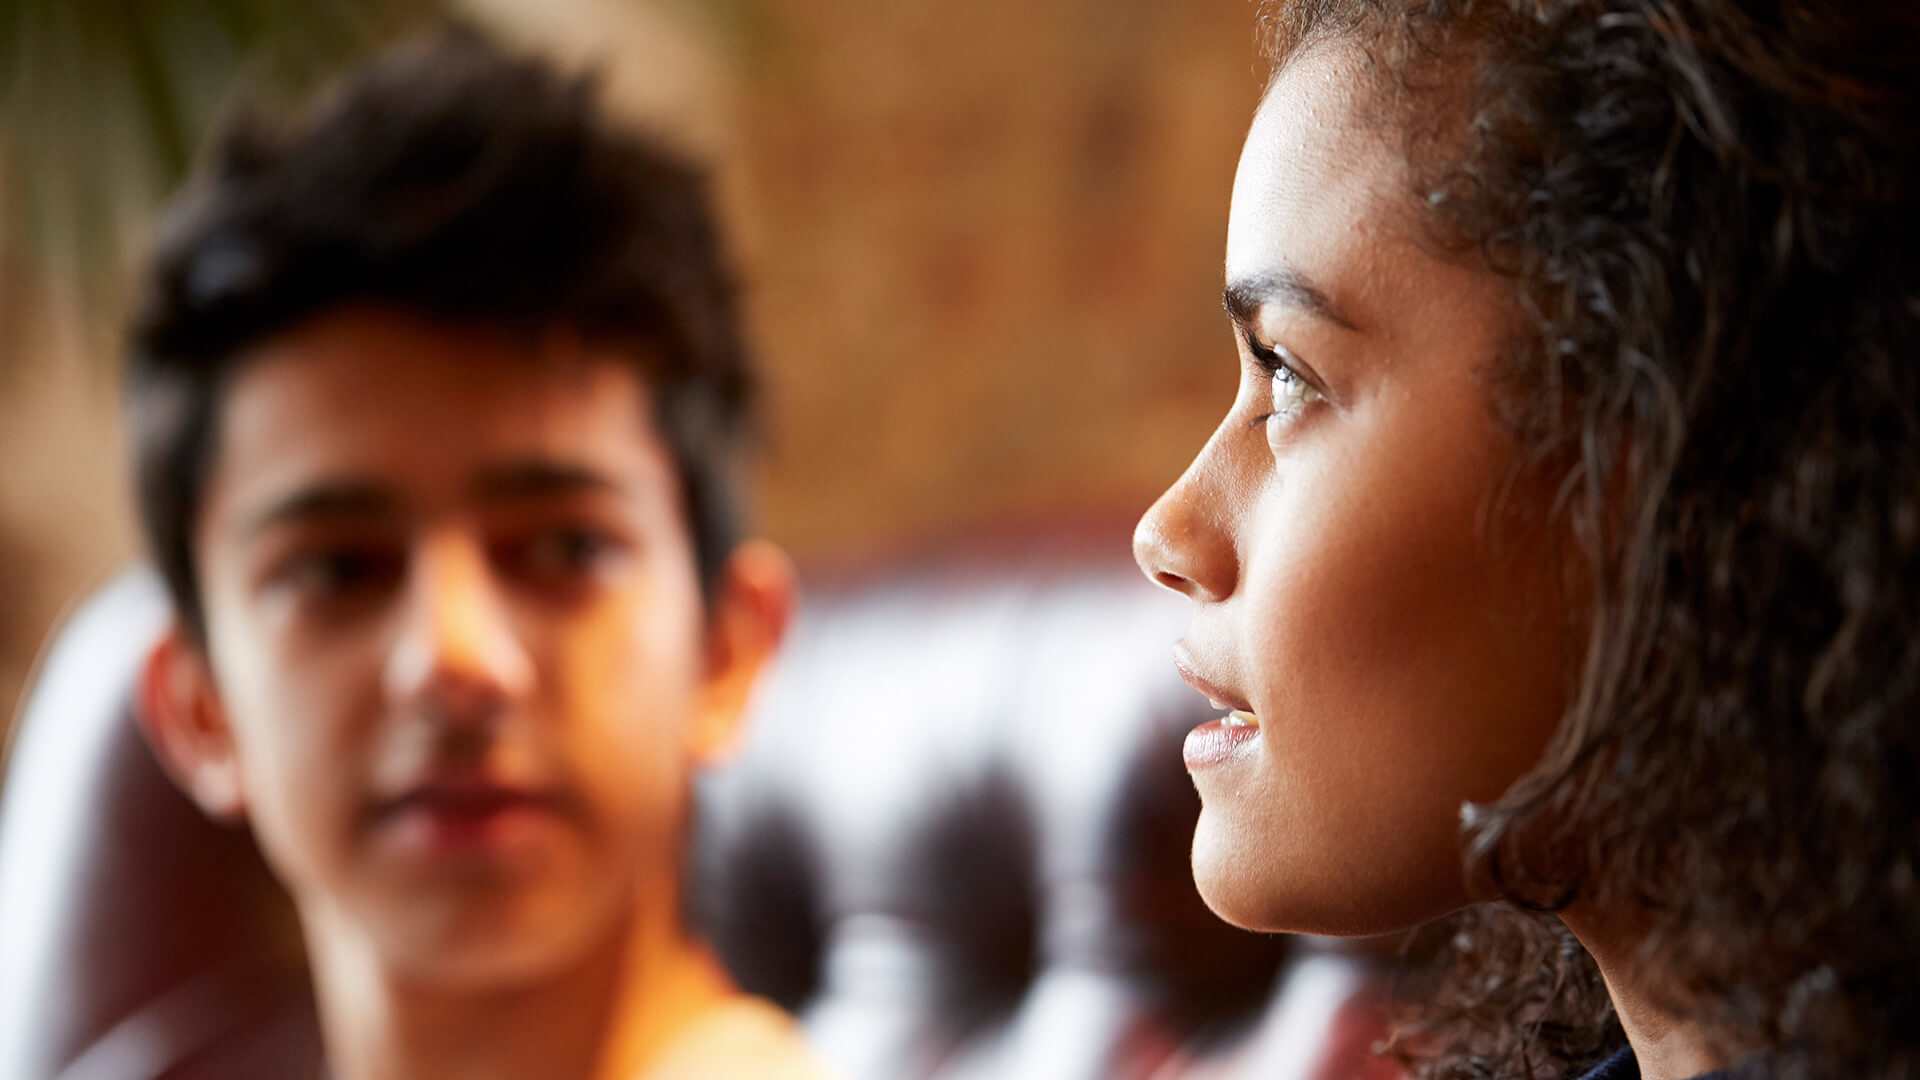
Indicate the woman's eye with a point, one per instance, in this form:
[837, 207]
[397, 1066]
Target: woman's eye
[1291, 393]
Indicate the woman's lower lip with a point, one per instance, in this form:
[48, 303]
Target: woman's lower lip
[1217, 740]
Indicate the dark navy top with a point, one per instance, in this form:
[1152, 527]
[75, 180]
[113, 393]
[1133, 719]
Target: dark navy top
[1622, 1066]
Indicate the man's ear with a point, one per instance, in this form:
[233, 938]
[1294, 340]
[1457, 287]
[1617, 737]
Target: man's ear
[747, 619]
[180, 713]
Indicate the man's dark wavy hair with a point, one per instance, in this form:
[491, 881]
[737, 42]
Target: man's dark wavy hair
[1709, 211]
[454, 180]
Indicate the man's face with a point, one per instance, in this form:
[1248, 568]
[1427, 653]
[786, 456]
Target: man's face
[455, 637]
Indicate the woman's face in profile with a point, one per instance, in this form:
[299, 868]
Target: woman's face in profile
[1391, 641]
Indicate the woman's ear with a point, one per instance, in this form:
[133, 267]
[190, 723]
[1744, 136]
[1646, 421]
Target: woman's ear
[179, 711]
[747, 620]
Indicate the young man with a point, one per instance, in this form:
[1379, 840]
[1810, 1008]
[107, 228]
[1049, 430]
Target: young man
[435, 394]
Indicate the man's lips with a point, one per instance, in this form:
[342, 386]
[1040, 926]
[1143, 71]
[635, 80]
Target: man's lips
[1219, 696]
[457, 791]
[459, 811]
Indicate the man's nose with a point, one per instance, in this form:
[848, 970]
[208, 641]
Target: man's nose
[1183, 544]
[458, 655]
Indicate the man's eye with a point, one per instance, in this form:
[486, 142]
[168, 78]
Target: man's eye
[332, 572]
[565, 552]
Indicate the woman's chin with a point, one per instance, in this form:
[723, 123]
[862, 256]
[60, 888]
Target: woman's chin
[1249, 880]
[1232, 875]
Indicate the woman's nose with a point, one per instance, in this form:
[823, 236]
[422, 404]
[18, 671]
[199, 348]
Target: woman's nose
[1181, 543]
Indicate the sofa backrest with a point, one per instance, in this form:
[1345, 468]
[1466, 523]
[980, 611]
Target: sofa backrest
[954, 842]
[134, 932]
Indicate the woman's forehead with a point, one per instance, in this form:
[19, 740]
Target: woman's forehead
[1321, 194]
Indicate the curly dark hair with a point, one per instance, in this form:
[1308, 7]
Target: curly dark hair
[1709, 211]
[455, 180]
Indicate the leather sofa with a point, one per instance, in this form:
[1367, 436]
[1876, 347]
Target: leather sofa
[954, 843]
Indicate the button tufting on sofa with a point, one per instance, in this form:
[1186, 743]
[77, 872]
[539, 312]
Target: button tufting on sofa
[954, 842]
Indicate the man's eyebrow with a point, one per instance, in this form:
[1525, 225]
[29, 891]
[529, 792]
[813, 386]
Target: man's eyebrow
[534, 478]
[326, 500]
[1245, 297]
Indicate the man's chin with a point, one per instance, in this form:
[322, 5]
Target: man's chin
[489, 940]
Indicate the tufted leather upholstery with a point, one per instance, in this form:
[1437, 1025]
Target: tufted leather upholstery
[138, 939]
[954, 842]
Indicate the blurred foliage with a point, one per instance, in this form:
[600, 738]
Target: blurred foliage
[102, 103]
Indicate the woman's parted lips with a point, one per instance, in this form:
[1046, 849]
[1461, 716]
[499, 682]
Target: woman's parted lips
[1220, 696]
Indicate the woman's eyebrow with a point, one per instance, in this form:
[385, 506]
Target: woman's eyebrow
[1289, 287]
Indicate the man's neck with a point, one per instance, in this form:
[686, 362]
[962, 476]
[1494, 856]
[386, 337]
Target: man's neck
[606, 1017]
[1667, 1047]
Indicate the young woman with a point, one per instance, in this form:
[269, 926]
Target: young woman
[1559, 558]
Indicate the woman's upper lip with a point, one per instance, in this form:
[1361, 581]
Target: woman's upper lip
[1183, 663]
